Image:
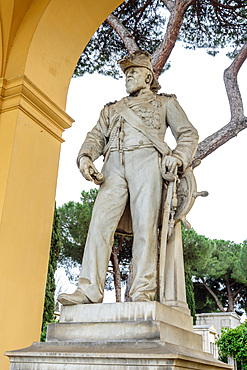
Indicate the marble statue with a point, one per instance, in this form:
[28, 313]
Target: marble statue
[130, 135]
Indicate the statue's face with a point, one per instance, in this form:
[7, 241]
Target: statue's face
[136, 79]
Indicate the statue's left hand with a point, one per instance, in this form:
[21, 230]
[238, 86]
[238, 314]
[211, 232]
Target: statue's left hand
[169, 164]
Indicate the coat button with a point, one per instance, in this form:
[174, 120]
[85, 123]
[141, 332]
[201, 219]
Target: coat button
[140, 142]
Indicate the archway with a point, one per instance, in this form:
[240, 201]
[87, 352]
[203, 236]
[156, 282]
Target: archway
[41, 43]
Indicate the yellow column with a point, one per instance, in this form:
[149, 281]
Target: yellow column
[31, 127]
[43, 40]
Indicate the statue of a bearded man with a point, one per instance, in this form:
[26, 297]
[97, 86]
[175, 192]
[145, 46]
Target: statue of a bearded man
[130, 135]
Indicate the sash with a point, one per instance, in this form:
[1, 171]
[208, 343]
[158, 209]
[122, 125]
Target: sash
[136, 122]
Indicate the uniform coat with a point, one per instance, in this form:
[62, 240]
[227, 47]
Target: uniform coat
[133, 151]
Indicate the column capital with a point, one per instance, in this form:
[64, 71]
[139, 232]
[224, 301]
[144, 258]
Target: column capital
[20, 93]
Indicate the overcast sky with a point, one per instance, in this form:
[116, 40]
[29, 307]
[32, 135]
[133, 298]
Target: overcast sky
[196, 79]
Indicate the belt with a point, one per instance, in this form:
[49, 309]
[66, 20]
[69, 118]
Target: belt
[131, 147]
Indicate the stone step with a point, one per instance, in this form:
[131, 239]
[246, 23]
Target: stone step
[111, 356]
[124, 331]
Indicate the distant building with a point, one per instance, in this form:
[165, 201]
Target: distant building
[209, 325]
[209, 335]
[219, 320]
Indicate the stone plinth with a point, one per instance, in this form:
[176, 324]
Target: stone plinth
[132, 336]
[125, 322]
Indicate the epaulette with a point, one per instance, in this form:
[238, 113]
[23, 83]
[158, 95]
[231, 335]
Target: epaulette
[110, 103]
[168, 95]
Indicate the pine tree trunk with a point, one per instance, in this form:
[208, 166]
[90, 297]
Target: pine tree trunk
[230, 307]
[238, 121]
[163, 51]
[213, 295]
[116, 274]
[129, 282]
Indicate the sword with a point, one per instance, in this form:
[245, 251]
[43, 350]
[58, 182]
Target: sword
[170, 206]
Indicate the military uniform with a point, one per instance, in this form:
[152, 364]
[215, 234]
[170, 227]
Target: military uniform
[132, 173]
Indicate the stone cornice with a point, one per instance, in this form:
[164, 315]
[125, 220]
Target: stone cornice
[21, 93]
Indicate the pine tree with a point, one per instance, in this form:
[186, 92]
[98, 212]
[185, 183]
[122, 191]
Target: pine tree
[219, 275]
[196, 255]
[155, 26]
[49, 305]
[190, 296]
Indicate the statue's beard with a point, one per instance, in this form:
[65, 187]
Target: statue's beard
[133, 86]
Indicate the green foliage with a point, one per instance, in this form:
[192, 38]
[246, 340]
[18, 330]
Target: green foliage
[224, 276]
[43, 333]
[204, 302]
[197, 250]
[243, 259]
[221, 265]
[213, 25]
[225, 261]
[144, 19]
[75, 219]
[209, 24]
[190, 294]
[49, 305]
[233, 342]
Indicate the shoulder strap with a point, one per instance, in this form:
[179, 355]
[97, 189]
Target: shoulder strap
[136, 122]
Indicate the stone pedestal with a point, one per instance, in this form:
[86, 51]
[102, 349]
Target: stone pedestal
[130, 335]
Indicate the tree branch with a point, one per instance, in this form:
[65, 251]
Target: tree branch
[220, 137]
[234, 282]
[138, 11]
[231, 84]
[169, 4]
[122, 8]
[163, 51]
[238, 291]
[141, 11]
[123, 33]
[239, 297]
[229, 7]
[238, 120]
[213, 295]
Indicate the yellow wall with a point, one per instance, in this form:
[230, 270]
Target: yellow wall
[50, 39]
[41, 43]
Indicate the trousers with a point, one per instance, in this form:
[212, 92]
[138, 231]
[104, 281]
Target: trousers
[139, 180]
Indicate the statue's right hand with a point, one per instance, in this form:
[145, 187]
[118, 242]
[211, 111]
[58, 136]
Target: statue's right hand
[87, 168]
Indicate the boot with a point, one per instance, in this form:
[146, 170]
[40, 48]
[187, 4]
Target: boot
[78, 297]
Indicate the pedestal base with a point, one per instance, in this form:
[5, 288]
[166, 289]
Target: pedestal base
[77, 356]
[139, 335]
[130, 321]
